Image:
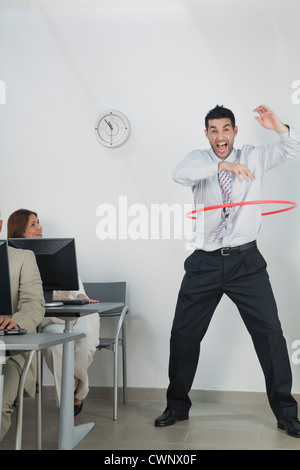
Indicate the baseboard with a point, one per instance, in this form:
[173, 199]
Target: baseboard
[158, 394]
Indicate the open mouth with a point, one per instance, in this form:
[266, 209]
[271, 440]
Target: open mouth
[222, 147]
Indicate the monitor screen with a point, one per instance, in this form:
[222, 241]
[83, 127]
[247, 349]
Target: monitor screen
[6, 308]
[56, 259]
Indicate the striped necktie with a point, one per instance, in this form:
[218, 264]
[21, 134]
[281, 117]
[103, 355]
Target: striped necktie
[225, 183]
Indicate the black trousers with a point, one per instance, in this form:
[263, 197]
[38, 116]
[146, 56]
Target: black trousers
[244, 279]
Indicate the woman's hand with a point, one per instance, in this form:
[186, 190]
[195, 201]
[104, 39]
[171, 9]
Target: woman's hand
[90, 301]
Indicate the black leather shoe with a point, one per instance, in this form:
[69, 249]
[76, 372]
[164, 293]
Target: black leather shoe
[78, 408]
[290, 425]
[170, 417]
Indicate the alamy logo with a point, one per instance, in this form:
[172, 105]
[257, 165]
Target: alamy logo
[296, 354]
[2, 92]
[296, 94]
[139, 222]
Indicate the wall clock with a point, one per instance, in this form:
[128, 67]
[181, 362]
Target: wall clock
[112, 128]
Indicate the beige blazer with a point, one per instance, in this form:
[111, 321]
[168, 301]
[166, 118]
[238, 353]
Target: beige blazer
[28, 301]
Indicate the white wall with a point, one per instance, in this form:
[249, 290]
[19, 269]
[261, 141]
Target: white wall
[164, 64]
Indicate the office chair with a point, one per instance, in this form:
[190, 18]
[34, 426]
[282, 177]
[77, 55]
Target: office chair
[113, 292]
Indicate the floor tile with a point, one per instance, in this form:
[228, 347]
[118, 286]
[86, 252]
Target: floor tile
[211, 426]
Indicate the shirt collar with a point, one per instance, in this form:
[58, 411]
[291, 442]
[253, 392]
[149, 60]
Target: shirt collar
[230, 158]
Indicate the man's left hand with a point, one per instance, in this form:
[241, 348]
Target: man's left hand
[269, 120]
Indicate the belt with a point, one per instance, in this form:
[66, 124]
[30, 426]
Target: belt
[226, 251]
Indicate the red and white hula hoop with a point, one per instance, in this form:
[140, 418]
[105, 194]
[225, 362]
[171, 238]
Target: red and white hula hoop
[291, 204]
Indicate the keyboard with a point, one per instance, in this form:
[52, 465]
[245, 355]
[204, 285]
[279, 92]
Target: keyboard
[13, 331]
[74, 301]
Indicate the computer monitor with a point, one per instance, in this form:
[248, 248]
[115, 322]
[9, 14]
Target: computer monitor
[6, 307]
[56, 259]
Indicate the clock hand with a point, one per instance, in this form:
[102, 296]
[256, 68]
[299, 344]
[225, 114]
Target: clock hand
[109, 124]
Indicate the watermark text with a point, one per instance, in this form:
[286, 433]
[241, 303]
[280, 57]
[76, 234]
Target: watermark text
[296, 354]
[140, 222]
[2, 92]
[296, 94]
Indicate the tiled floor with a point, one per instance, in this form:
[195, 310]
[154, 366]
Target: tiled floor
[211, 426]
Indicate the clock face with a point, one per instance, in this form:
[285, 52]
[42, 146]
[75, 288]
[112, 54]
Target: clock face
[112, 128]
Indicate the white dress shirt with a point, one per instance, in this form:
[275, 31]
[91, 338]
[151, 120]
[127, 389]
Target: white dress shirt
[199, 169]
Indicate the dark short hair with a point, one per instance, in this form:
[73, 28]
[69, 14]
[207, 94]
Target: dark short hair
[219, 112]
[17, 223]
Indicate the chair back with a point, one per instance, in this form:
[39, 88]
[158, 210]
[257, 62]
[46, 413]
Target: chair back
[107, 292]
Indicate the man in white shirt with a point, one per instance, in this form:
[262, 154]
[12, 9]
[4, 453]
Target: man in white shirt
[226, 261]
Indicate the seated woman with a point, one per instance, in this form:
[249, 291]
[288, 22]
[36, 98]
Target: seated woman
[25, 224]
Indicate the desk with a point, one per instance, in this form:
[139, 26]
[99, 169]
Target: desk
[16, 344]
[69, 435]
